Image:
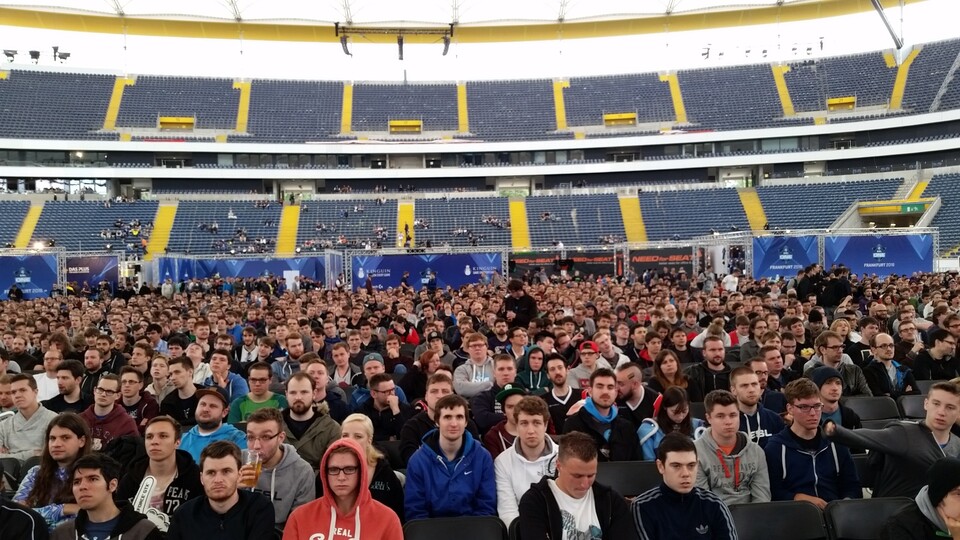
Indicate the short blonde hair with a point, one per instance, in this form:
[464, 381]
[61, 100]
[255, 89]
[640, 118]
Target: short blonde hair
[373, 455]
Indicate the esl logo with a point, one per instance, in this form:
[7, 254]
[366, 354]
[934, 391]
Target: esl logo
[22, 275]
[786, 254]
[879, 253]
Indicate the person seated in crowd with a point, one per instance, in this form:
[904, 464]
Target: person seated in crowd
[451, 474]
[181, 404]
[47, 387]
[477, 374]
[201, 370]
[324, 392]
[285, 366]
[885, 376]
[439, 385]
[673, 415]
[385, 409]
[829, 346]
[635, 401]
[936, 512]
[69, 398]
[414, 381]
[714, 372]
[571, 503]
[310, 430]
[830, 383]
[730, 464]
[385, 484]
[284, 476]
[758, 422]
[908, 449]
[668, 372]
[139, 405]
[530, 458]
[46, 487]
[560, 399]
[938, 361]
[678, 508]
[175, 475]
[487, 409]
[212, 409]
[346, 505]
[231, 384]
[107, 419]
[599, 417]
[829, 475]
[21, 436]
[160, 385]
[343, 372]
[372, 365]
[502, 435]
[223, 512]
[532, 371]
[259, 396]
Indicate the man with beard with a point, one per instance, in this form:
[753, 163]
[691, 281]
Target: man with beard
[112, 360]
[309, 430]
[635, 400]
[561, 395]
[212, 408]
[713, 373]
[616, 437]
[487, 410]
[246, 352]
[19, 354]
[69, 375]
[757, 422]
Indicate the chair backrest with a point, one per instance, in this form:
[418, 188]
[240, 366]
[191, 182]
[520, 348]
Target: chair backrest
[864, 471]
[514, 532]
[874, 408]
[698, 410]
[391, 449]
[461, 528]
[794, 520]
[924, 386]
[861, 519]
[912, 406]
[629, 478]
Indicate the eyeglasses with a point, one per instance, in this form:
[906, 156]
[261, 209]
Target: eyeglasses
[388, 390]
[833, 347]
[349, 471]
[130, 381]
[264, 439]
[807, 409]
[104, 391]
[884, 345]
[258, 380]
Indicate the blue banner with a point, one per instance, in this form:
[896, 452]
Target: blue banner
[35, 275]
[451, 269]
[176, 269]
[880, 254]
[93, 271]
[783, 255]
[182, 269]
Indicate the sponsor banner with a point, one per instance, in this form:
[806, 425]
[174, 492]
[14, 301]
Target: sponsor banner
[185, 269]
[35, 275]
[586, 262]
[662, 259]
[783, 255]
[451, 269]
[93, 271]
[880, 254]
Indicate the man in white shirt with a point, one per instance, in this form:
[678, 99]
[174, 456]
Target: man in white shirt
[730, 281]
[47, 381]
[532, 456]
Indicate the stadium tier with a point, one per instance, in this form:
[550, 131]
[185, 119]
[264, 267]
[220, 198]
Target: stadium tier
[212, 103]
[47, 105]
[343, 223]
[11, 218]
[687, 213]
[293, 111]
[456, 220]
[863, 76]
[817, 206]
[589, 98]
[375, 105]
[947, 187]
[927, 74]
[575, 220]
[91, 226]
[210, 227]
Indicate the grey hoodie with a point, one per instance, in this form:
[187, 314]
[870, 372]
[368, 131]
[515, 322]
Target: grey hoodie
[740, 477]
[928, 510]
[289, 484]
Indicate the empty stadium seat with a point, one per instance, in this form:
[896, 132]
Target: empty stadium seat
[788, 206]
[875, 411]
[691, 212]
[911, 407]
[861, 519]
[629, 478]
[792, 520]
[461, 528]
[212, 102]
[575, 220]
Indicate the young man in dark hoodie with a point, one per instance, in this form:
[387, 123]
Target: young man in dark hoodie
[176, 477]
[18, 521]
[545, 506]
[758, 422]
[615, 437]
[713, 373]
[936, 513]
[95, 478]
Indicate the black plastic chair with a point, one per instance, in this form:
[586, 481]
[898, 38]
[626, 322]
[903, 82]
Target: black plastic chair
[391, 449]
[866, 473]
[461, 528]
[783, 520]
[698, 410]
[875, 412]
[629, 478]
[912, 406]
[924, 386]
[514, 532]
[861, 519]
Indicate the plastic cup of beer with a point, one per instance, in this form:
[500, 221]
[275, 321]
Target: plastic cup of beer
[251, 458]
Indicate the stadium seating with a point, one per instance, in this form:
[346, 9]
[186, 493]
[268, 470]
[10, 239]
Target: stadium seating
[374, 105]
[927, 73]
[865, 76]
[719, 98]
[46, 105]
[259, 224]
[212, 102]
[575, 220]
[444, 216]
[11, 217]
[804, 206]
[589, 98]
[511, 109]
[356, 228]
[77, 225]
[947, 187]
[688, 213]
[293, 111]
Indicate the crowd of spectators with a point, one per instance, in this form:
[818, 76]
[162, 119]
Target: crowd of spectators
[498, 399]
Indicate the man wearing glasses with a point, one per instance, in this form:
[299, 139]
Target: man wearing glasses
[385, 409]
[829, 347]
[909, 345]
[803, 464]
[285, 477]
[886, 376]
[106, 419]
[140, 405]
[938, 362]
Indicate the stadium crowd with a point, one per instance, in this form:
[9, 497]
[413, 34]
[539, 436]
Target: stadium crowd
[248, 408]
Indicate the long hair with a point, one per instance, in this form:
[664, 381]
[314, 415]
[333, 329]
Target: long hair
[47, 488]
[679, 379]
[675, 396]
[373, 455]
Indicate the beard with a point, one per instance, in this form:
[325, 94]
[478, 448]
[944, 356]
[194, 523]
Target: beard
[208, 425]
[299, 407]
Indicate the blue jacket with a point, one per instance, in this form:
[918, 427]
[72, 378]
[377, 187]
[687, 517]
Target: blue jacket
[761, 425]
[650, 436]
[829, 473]
[193, 442]
[236, 386]
[437, 487]
[360, 396]
[663, 514]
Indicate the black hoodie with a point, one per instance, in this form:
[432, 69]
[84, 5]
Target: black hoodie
[130, 526]
[252, 517]
[185, 486]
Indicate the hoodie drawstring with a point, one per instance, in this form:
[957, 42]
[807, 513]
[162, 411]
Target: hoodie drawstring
[333, 522]
[726, 470]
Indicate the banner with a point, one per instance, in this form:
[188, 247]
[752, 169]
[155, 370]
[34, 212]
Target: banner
[586, 262]
[880, 254]
[451, 269]
[93, 271]
[783, 255]
[176, 269]
[184, 269]
[662, 259]
[35, 275]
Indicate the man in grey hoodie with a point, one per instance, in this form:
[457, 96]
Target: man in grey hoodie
[730, 464]
[936, 513]
[23, 436]
[285, 477]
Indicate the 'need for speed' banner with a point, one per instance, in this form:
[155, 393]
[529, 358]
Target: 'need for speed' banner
[93, 271]
[453, 269]
[783, 255]
[662, 259]
[35, 275]
[880, 254]
[597, 263]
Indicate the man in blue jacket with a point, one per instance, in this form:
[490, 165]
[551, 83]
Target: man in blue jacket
[803, 464]
[451, 474]
[758, 422]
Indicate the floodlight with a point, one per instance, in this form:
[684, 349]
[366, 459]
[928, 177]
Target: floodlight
[38, 245]
[35, 56]
[10, 54]
[400, 46]
[343, 43]
[63, 56]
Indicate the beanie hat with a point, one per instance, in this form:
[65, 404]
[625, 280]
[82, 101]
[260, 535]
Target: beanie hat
[823, 374]
[815, 316]
[942, 477]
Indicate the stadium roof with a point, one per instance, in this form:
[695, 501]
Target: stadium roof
[476, 21]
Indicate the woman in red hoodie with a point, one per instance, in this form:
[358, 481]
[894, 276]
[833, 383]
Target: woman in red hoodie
[346, 502]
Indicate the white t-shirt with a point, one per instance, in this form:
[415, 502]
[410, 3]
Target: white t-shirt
[46, 387]
[578, 516]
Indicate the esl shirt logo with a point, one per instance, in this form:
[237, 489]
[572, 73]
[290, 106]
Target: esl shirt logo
[21, 276]
[879, 253]
[786, 254]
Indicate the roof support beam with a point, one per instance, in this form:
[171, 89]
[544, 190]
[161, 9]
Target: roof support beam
[897, 39]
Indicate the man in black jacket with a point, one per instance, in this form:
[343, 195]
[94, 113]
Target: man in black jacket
[518, 307]
[554, 507]
[21, 522]
[615, 437]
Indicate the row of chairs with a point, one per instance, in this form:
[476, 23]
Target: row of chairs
[860, 519]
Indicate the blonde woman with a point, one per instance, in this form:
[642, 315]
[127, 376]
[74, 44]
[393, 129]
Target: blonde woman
[385, 485]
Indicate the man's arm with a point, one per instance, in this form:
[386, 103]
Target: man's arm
[724, 528]
[482, 408]
[261, 518]
[891, 440]
[850, 487]
[507, 506]
[534, 524]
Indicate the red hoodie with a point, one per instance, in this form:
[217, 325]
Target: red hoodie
[116, 423]
[320, 519]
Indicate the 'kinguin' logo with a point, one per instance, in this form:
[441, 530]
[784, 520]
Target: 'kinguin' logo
[879, 252]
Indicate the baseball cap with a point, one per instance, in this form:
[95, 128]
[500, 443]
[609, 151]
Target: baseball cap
[589, 345]
[434, 335]
[212, 392]
[372, 357]
[510, 389]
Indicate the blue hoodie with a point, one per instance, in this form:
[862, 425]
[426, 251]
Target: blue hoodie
[761, 425]
[193, 442]
[828, 473]
[437, 487]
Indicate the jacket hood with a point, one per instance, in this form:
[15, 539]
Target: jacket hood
[364, 496]
[738, 448]
[524, 364]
